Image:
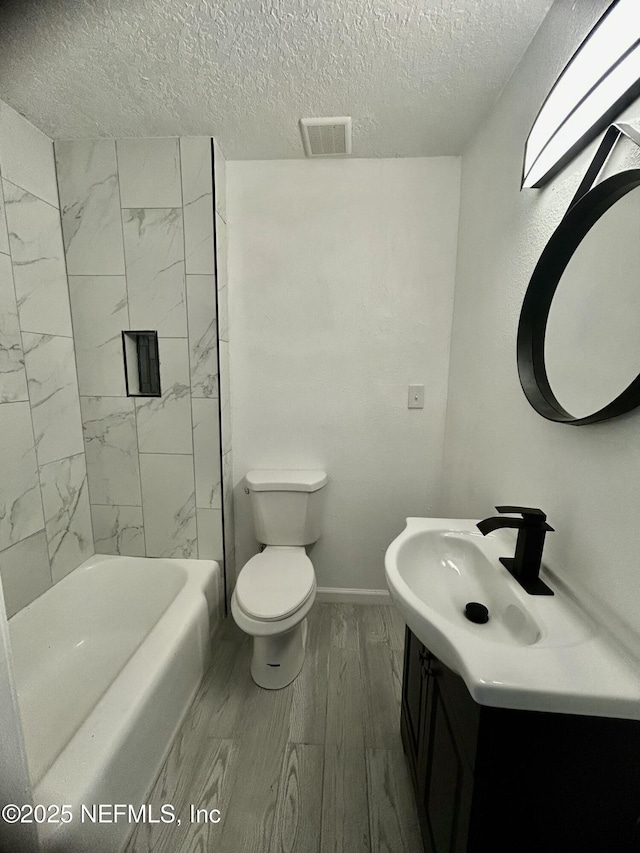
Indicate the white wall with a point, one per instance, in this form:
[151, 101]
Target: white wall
[498, 449]
[341, 286]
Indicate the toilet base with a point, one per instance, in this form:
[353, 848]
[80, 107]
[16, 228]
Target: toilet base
[278, 659]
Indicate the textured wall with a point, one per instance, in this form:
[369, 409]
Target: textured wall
[45, 525]
[498, 449]
[138, 224]
[416, 77]
[342, 279]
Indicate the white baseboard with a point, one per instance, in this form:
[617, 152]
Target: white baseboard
[340, 595]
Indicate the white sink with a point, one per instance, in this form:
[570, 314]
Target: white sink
[535, 652]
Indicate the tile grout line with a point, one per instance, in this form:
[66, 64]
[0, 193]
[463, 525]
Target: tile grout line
[128, 506]
[35, 195]
[162, 453]
[156, 207]
[24, 539]
[61, 459]
[47, 335]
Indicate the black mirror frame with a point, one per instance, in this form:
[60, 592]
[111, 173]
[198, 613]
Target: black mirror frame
[588, 205]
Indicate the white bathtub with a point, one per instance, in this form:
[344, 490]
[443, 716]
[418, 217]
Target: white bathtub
[106, 664]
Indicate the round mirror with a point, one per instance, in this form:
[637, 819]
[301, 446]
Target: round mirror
[579, 332]
[592, 339]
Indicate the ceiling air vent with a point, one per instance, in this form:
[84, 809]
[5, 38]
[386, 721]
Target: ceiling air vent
[326, 137]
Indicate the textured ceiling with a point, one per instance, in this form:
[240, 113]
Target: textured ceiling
[417, 76]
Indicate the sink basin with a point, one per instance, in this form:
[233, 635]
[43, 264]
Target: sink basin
[447, 569]
[535, 652]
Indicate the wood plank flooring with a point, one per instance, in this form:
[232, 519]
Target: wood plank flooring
[316, 767]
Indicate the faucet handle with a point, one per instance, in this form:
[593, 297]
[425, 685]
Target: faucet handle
[523, 510]
[529, 513]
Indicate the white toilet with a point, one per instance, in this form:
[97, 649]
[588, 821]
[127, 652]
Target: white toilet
[276, 589]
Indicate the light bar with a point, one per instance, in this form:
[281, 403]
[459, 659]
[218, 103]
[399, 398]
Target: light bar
[602, 77]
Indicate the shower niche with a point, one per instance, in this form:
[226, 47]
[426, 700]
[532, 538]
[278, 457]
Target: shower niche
[141, 364]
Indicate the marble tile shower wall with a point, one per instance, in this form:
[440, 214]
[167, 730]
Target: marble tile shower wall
[45, 522]
[138, 225]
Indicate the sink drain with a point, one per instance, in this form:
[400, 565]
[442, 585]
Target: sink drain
[476, 612]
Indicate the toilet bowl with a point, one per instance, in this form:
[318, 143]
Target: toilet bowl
[274, 592]
[276, 589]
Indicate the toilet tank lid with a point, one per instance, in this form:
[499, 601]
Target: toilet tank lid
[285, 481]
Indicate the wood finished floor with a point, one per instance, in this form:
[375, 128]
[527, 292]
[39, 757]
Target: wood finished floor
[317, 767]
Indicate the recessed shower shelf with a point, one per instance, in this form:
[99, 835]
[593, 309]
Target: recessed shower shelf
[141, 363]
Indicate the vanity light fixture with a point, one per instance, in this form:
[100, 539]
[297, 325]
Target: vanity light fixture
[601, 79]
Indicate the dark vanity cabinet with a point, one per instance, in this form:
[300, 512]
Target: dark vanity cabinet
[488, 780]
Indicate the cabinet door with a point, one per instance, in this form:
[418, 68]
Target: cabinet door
[413, 688]
[414, 727]
[449, 780]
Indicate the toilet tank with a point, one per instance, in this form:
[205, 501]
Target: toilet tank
[287, 506]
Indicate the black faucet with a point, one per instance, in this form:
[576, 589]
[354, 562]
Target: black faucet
[532, 527]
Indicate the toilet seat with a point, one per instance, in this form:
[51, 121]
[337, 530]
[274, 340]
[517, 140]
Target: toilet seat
[275, 583]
